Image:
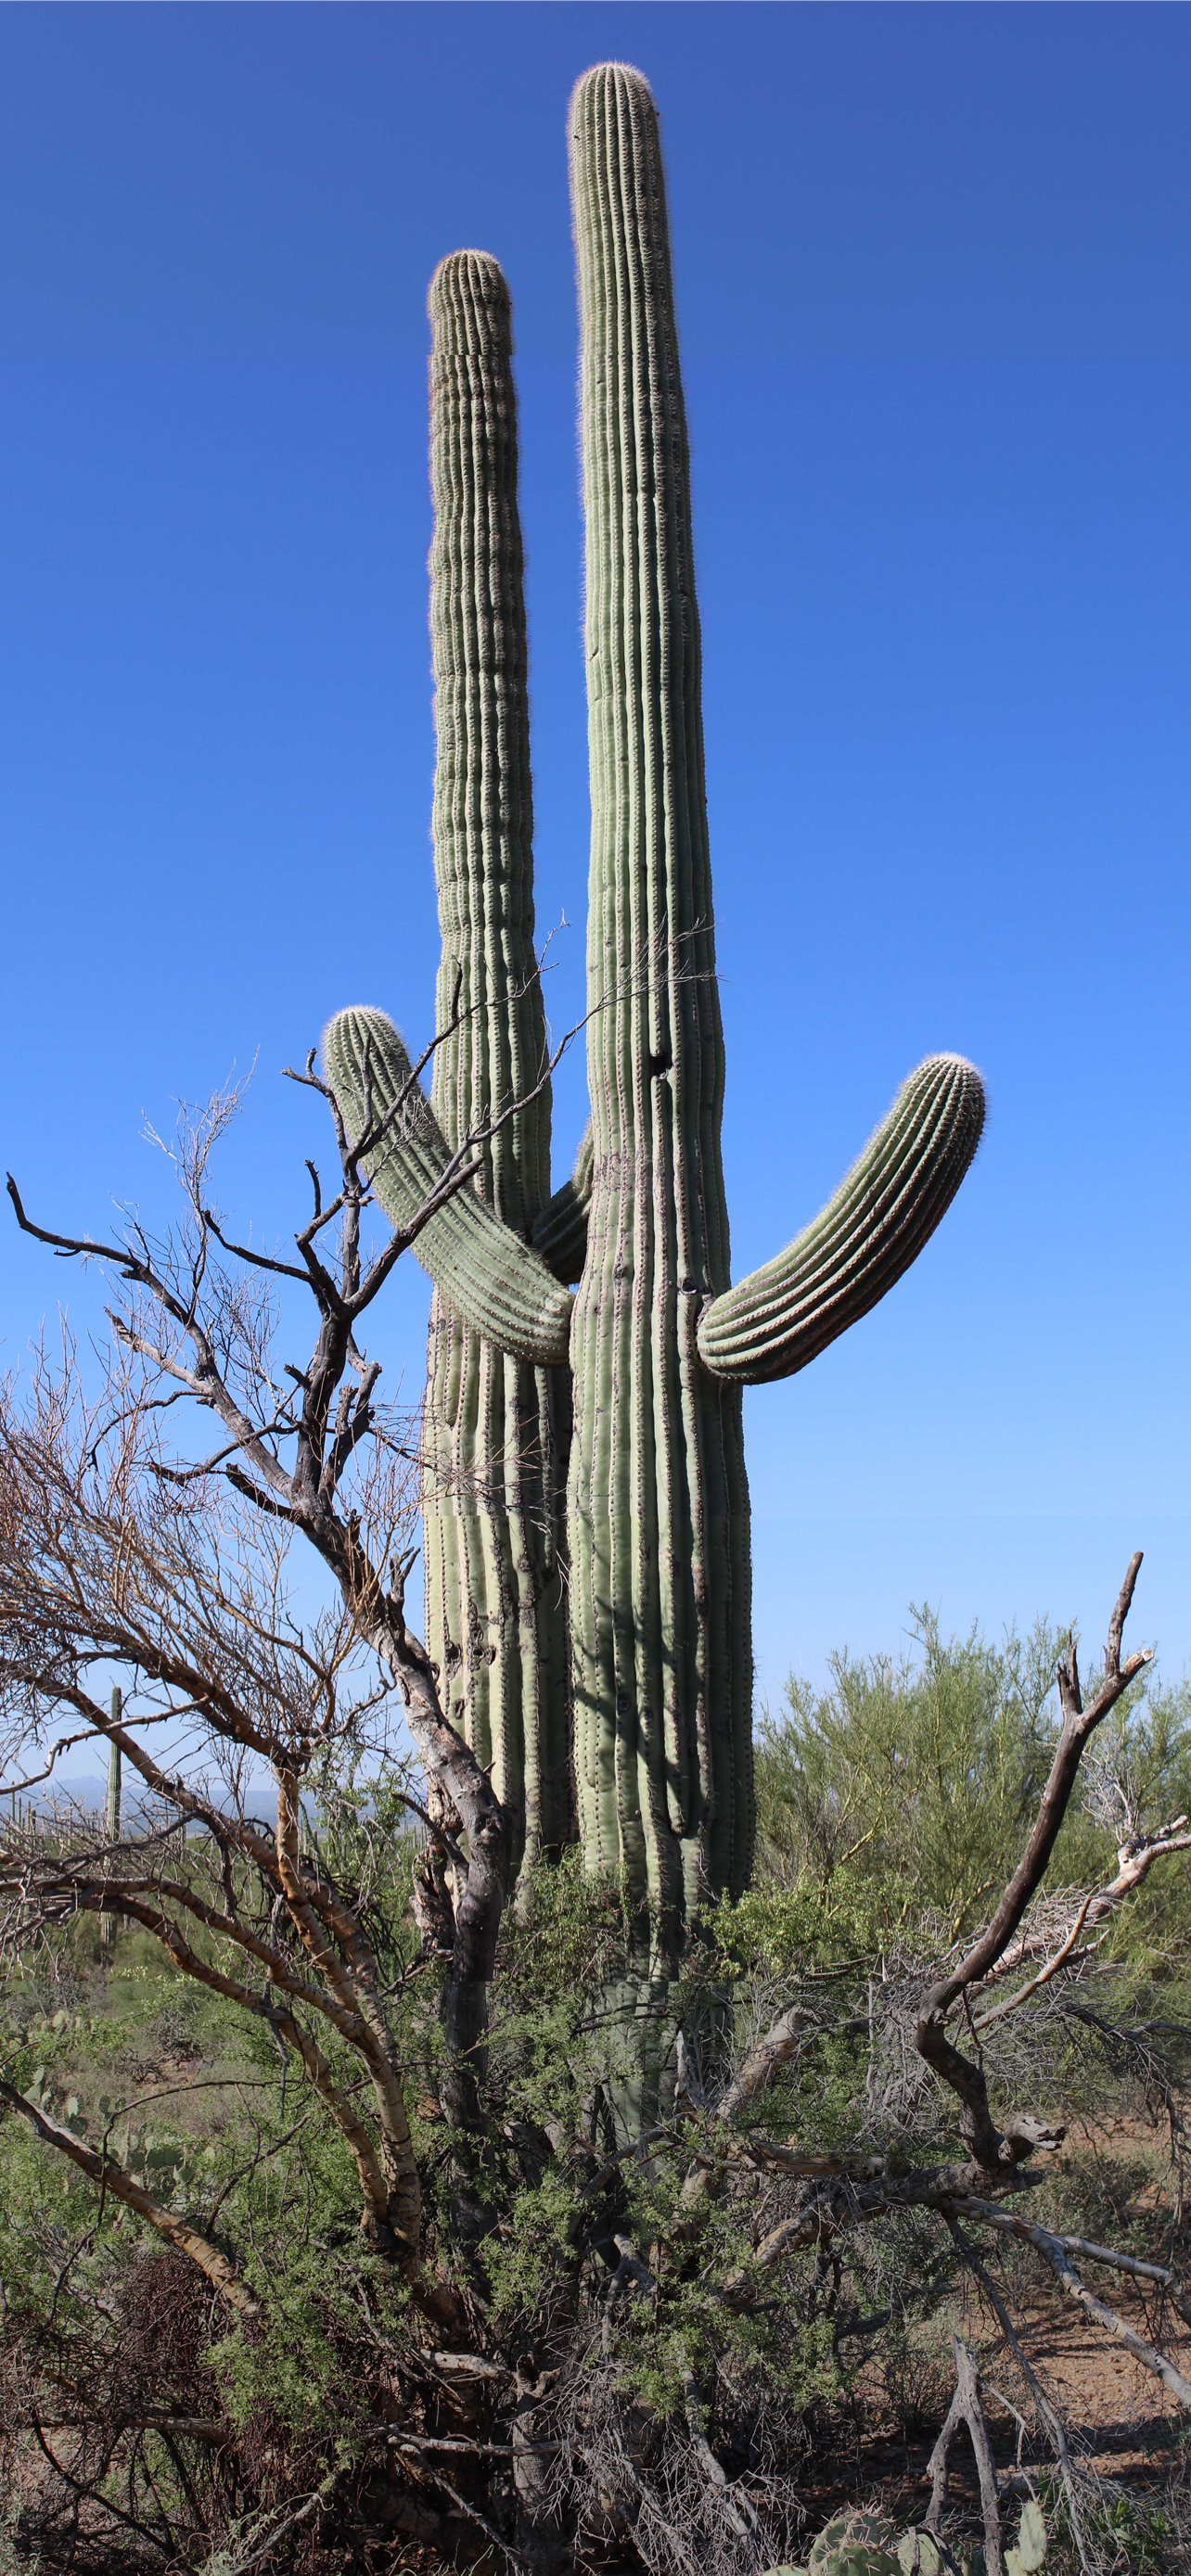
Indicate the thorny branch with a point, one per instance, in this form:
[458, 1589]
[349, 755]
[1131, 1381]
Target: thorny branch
[113, 1551]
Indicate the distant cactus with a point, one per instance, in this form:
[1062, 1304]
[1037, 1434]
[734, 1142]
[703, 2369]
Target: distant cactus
[109, 1919]
[656, 1710]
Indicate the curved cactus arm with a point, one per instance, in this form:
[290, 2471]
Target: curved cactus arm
[770, 1324]
[487, 1274]
[560, 1232]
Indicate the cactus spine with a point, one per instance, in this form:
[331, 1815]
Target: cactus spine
[660, 1343]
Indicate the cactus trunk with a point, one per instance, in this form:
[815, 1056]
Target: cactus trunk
[657, 1499]
[495, 1428]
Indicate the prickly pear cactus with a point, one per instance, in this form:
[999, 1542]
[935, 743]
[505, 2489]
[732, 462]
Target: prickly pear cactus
[650, 1567]
[866, 2543]
[920, 2554]
[860, 2543]
[1028, 2552]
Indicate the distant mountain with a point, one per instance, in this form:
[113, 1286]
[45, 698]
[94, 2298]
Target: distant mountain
[88, 1790]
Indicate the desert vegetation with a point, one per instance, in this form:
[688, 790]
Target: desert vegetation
[465, 2103]
[604, 2349]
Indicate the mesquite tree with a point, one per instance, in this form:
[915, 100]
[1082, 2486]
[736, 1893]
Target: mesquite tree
[648, 1561]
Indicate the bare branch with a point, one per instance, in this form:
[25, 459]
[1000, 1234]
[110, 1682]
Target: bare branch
[999, 2149]
[966, 2408]
[244, 1251]
[1011, 2223]
[1078, 1725]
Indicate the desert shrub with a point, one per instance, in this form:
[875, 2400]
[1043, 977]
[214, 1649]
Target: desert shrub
[892, 1804]
[872, 1859]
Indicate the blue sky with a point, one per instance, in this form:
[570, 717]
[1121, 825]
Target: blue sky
[932, 271]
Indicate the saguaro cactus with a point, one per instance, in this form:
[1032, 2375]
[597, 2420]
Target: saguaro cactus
[660, 1341]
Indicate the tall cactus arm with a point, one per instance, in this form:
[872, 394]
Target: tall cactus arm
[770, 1324]
[560, 1232]
[657, 1500]
[494, 1431]
[488, 1275]
[489, 998]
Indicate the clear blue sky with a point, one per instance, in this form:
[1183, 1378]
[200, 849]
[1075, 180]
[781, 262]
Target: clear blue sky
[933, 281]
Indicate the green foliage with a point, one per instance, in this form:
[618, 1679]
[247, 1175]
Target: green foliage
[1144, 2535]
[194, 2097]
[892, 1806]
[900, 1794]
[301, 2373]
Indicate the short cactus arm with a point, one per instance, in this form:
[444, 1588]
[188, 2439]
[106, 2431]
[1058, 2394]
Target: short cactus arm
[560, 1232]
[770, 1324]
[487, 1274]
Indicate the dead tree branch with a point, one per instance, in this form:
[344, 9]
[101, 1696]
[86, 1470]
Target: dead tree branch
[996, 2150]
[967, 2408]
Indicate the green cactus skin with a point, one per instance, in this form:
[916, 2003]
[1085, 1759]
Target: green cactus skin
[496, 1430]
[784, 1314]
[657, 1508]
[860, 2558]
[1028, 2552]
[657, 1505]
[858, 2529]
[497, 1284]
[560, 1232]
[920, 2554]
